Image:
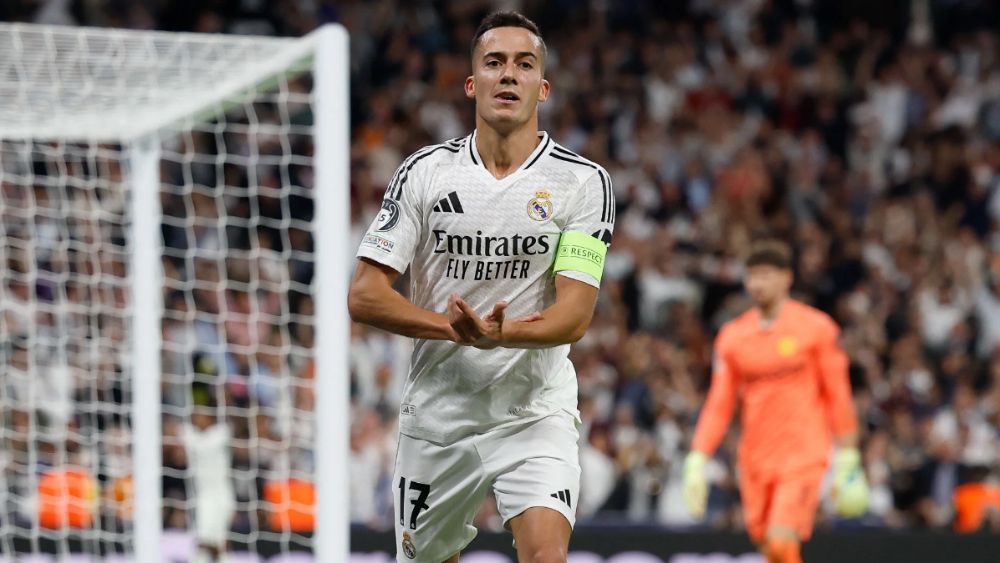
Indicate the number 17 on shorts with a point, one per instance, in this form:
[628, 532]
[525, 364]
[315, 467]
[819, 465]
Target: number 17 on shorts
[440, 488]
[414, 506]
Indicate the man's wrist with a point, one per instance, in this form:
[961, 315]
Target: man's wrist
[447, 331]
[508, 329]
[696, 460]
[846, 459]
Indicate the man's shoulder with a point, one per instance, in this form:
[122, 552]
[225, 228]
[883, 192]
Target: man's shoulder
[420, 162]
[740, 323]
[730, 330]
[811, 316]
[429, 155]
[583, 168]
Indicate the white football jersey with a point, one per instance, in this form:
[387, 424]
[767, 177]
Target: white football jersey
[460, 230]
[208, 456]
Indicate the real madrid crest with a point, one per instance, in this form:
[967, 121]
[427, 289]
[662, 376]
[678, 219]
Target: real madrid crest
[540, 207]
[409, 549]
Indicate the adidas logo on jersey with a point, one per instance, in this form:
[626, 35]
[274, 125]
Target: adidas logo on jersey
[449, 204]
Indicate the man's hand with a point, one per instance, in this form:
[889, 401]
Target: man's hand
[695, 483]
[472, 330]
[485, 332]
[850, 488]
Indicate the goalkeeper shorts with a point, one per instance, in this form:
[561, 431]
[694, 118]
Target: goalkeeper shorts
[439, 489]
[788, 500]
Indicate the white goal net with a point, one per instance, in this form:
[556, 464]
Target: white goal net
[216, 450]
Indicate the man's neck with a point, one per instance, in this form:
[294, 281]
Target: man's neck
[769, 312]
[504, 153]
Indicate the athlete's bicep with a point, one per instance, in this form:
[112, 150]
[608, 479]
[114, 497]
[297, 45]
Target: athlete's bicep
[835, 381]
[370, 274]
[574, 307]
[723, 387]
[719, 404]
[581, 297]
[372, 284]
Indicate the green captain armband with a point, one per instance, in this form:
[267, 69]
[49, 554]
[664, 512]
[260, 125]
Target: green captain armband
[580, 252]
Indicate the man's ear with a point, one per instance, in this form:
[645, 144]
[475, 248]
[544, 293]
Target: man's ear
[543, 90]
[470, 87]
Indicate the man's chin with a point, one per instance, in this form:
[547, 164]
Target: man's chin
[504, 120]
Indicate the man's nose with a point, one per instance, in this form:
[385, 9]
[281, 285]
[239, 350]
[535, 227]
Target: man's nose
[508, 73]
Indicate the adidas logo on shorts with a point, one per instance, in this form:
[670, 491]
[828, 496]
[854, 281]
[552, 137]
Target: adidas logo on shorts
[563, 495]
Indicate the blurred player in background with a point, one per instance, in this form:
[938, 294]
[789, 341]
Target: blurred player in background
[781, 360]
[506, 224]
[206, 440]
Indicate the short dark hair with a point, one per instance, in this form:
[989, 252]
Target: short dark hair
[770, 252]
[507, 19]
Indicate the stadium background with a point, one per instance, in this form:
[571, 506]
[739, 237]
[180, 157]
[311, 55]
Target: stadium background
[865, 133]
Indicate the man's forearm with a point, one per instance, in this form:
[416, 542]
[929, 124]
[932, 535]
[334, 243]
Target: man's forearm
[846, 440]
[563, 322]
[390, 311]
[557, 325]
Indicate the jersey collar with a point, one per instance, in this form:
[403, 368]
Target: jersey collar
[770, 326]
[545, 142]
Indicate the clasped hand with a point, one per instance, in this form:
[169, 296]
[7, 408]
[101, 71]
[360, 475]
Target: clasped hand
[482, 332]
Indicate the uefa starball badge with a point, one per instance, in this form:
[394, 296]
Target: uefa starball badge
[388, 216]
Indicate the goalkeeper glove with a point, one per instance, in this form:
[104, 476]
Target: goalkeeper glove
[695, 483]
[850, 488]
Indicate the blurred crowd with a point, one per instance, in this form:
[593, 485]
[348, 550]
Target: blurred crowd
[867, 134]
[237, 324]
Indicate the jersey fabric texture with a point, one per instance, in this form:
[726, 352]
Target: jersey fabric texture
[460, 230]
[792, 384]
[438, 489]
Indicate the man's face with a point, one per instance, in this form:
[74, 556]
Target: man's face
[767, 284]
[506, 79]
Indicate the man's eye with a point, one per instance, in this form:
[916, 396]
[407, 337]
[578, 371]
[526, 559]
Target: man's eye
[492, 63]
[526, 66]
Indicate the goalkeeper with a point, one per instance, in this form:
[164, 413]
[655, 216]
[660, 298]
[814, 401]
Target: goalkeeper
[782, 362]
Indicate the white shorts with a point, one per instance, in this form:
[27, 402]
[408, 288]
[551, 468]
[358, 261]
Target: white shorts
[438, 490]
[213, 516]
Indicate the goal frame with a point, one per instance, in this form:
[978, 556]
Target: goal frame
[325, 51]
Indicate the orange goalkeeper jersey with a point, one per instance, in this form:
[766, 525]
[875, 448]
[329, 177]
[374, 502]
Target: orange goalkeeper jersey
[793, 388]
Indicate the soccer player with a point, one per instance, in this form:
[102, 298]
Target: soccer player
[206, 440]
[504, 233]
[782, 362]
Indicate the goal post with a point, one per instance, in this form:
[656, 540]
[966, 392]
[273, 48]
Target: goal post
[333, 222]
[174, 211]
[144, 170]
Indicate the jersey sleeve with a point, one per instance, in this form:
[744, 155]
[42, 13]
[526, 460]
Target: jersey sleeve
[594, 215]
[834, 379]
[392, 237]
[721, 402]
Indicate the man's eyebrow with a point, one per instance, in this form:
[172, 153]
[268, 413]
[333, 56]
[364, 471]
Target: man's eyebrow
[502, 55]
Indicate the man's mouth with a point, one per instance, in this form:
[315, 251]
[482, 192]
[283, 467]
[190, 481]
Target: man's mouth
[507, 97]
